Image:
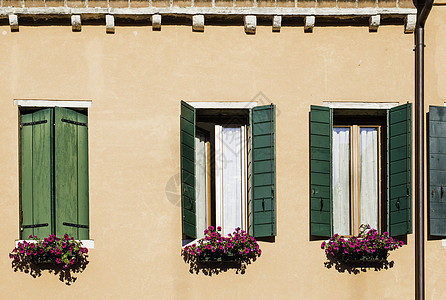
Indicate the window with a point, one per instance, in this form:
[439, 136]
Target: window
[360, 170]
[228, 169]
[437, 171]
[54, 172]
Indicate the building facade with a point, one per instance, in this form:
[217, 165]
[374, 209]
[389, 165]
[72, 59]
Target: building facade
[122, 83]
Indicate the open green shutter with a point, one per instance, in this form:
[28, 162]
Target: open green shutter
[399, 170]
[36, 173]
[71, 173]
[437, 171]
[263, 163]
[320, 171]
[187, 141]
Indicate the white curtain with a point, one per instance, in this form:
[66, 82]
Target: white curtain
[200, 185]
[228, 169]
[369, 176]
[341, 180]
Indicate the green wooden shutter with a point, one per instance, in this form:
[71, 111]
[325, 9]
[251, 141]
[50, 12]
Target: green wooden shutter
[37, 173]
[263, 214]
[320, 171]
[437, 171]
[187, 141]
[71, 173]
[399, 170]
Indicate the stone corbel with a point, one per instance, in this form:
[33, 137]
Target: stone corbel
[156, 22]
[76, 24]
[250, 24]
[109, 24]
[309, 23]
[277, 23]
[198, 23]
[374, 22]
[14, 22]
[410, 23]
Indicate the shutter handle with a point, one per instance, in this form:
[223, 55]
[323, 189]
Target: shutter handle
[314, 192]
[263, 204]
[322, 203]
[397, 204]
[432, 193]
[441, 192]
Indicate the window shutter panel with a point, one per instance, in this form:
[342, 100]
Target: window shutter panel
[437, 171]
[263, 162]
[187, 141]
[37, 174]
[320, 171]
[71, 173]
[399, 170]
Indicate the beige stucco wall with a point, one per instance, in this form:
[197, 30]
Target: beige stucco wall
[435, 91]
[136, 79]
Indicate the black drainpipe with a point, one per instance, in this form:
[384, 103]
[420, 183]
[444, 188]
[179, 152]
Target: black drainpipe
[423, 9]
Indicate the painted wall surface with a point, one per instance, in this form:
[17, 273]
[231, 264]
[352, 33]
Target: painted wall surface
[136, 79]
[435, 94]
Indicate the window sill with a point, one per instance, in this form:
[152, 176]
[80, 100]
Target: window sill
[89, 244]
[188, 242]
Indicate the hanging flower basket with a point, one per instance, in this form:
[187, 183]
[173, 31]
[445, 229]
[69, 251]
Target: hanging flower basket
[369, 248]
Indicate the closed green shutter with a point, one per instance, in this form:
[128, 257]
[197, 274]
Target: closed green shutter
[187, 136]
[71, 173]
[437, 171]
[399, 170]
[320, 171]
[263, 214]
[37, 173]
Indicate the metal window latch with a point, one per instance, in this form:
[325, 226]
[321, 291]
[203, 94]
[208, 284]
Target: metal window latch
[322, 203]
[397, 204]
[441, 192]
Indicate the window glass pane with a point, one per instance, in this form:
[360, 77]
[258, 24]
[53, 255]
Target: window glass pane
[200, 184]
[231, 179]
[341, 180]
[369, 197]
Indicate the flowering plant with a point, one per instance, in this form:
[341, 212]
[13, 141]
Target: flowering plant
[63, 252]
[368, 245]
[238, 246]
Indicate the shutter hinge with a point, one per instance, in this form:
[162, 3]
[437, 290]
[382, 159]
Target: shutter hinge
[74, 122]
[75, 225]
[33, 123]
[21, 219]
[35, 225]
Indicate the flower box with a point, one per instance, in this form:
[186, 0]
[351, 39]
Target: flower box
[63, 252]
[216, 251]
[208, 256]
[369, 248]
